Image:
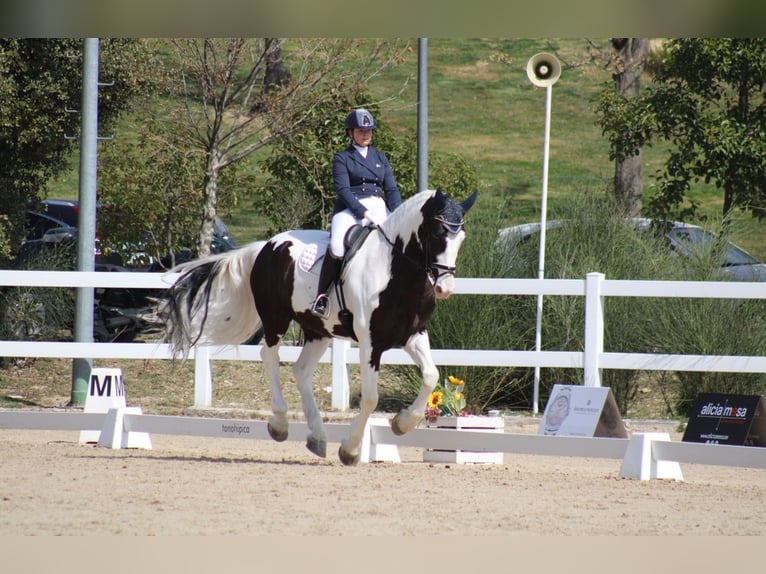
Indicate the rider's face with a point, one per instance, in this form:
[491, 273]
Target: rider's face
[361, 137]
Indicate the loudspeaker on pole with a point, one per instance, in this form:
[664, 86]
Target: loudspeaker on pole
[543, 69]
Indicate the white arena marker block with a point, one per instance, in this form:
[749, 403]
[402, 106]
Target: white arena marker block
[135, 439]
[639, 462]
[114, 435]
[106, 390]
[375, 452]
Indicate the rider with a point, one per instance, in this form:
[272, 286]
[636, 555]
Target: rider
[366, 194]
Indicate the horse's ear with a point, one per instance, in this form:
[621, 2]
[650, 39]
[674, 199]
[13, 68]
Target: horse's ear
[441, 200]
[468, 203]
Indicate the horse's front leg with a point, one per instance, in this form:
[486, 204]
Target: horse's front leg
[277, 425]
[303, 369]
[419, 348]
[350, 448]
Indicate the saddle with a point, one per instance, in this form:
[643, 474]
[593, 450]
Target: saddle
[355, 237]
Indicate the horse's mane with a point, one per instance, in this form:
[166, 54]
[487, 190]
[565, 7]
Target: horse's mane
[405, 219]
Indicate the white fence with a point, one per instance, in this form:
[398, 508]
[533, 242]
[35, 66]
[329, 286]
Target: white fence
[644, 456]
[591, 360]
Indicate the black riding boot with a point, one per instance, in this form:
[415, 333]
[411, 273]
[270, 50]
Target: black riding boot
[328, 274]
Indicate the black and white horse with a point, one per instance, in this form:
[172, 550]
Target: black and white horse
[388, 289]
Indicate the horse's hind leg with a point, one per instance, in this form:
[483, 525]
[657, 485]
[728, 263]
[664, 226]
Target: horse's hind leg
[303, 369]
[419, 348]
[277, 425]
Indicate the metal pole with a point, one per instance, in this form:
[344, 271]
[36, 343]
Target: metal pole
[86, 234]
[541, 259]
[422, 114]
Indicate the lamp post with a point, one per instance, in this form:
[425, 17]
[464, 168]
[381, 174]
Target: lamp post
[543, 70]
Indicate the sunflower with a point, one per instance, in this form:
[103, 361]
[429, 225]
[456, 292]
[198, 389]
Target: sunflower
[454, 381]
[435, 399]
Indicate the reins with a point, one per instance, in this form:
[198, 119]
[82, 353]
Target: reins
[434, 271]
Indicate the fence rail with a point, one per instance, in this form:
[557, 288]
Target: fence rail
[594, 288]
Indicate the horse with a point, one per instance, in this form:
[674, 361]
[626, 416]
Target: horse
[385, 294]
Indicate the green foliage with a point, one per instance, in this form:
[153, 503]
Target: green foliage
[150, 192]
[707, 327]
[39, 312]
[707, 103]
[597, 238]
[5, 242]
[299, 191]
[40, 79]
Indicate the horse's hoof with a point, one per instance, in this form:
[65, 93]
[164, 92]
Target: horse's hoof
[346, 458]
[318, 447]
[395, 428]
[279, 436]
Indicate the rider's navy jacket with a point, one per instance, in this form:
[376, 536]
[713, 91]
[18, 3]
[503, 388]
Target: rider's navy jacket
[357, 177]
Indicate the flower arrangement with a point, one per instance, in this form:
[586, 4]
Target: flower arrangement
[447, 400]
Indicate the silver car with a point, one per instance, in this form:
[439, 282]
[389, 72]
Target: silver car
[682, 238]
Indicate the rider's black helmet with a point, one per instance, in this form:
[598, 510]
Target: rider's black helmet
[360, 119]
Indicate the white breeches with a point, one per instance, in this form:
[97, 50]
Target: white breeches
[343, 220]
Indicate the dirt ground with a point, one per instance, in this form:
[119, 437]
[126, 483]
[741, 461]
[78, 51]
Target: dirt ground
[52, 485]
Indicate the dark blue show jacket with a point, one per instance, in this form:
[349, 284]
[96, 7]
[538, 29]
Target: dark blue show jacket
[357, 177]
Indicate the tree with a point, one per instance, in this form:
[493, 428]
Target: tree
[299, 191]
[40, 82]
[628, 170]
[237, 98]
[707, 102]
[148, 188]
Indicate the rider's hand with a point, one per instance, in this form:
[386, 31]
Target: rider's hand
[374, 218]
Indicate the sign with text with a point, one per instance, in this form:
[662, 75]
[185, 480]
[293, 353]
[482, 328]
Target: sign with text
[574, 410]
[719, 418]
[106, 390]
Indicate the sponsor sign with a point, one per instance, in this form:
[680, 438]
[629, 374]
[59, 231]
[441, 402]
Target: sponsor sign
[719, 418]
[574, 410]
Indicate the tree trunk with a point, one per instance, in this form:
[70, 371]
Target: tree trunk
[628, 172]
[276, 75]
[210, 203]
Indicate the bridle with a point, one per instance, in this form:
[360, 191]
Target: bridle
[434, 271]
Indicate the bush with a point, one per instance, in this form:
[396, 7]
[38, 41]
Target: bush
[597, 239]
[39, 312]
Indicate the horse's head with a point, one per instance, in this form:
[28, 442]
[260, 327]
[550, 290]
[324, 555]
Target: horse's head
[441, 235]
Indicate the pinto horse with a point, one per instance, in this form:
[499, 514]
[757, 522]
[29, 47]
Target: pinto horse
[383, 299]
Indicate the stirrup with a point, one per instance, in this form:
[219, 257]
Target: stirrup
[321, 306]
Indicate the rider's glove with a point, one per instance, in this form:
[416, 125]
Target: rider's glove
[374, 218]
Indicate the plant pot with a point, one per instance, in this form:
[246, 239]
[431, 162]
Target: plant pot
[470, 423]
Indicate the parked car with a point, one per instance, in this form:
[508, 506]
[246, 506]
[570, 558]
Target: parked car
[55, 221]
[682, 238]
[120, 314]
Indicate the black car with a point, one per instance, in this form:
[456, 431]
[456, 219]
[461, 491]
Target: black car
[120, 314]
[55, 221]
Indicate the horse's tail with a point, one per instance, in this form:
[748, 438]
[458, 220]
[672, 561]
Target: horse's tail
[212, 303]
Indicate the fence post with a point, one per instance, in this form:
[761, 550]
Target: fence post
[203, 377]
[594, 329]
[340, 391]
